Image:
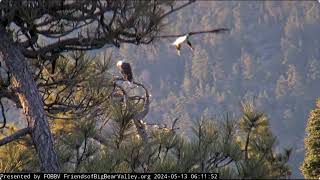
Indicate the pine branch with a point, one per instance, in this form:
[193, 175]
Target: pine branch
[177, 9]
[16, 135]
[219, 30]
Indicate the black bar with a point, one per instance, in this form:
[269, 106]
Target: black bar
[109, 176]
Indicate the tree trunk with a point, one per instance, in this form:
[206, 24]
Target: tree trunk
[31, 101]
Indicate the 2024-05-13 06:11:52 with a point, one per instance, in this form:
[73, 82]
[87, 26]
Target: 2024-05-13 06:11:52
[193, 176]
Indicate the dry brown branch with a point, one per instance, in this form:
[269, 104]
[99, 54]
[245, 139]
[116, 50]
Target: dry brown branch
[15, 136]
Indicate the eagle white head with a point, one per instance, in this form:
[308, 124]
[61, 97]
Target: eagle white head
[119, 64]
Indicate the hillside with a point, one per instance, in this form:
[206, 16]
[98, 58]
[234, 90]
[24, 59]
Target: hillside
[270, 55]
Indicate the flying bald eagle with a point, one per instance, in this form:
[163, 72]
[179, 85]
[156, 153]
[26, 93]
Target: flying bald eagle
[177, 43]
[185, 38]
[125, 69]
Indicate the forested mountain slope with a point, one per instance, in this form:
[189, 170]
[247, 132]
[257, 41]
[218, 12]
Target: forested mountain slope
[271, 55]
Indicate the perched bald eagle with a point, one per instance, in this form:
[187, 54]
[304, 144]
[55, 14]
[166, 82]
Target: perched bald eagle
[177, 43]
[126, 71]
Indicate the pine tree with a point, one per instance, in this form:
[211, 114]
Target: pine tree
[44, 31]
[258, 144]
[311, 165]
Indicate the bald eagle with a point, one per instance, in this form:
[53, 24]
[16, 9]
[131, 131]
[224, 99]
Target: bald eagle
[185, 38]
[125, 69]
[177, 43]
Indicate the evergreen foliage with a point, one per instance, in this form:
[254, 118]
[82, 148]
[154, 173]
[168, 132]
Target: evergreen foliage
[216, 145]
[311, 164]
[16, 156]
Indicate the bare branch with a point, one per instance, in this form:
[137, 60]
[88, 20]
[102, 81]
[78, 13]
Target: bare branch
[146, 105]
[138, 118]
[16, 135]
[194, 32]
[177, 8]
